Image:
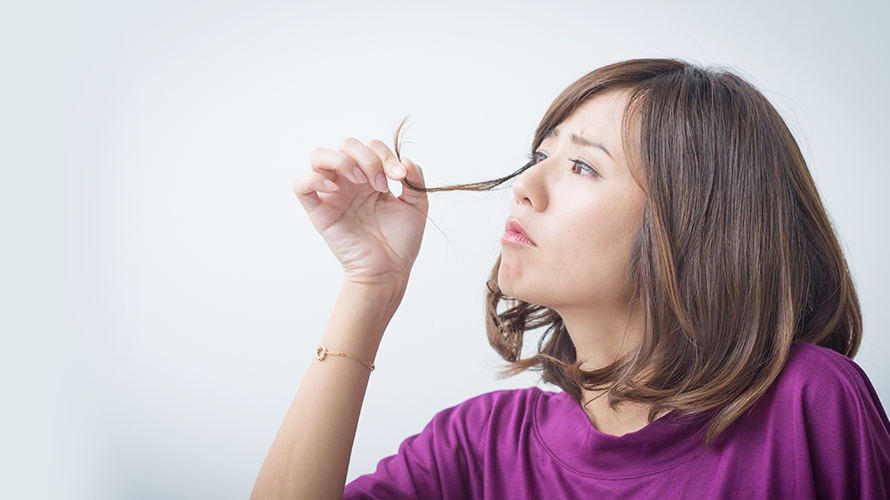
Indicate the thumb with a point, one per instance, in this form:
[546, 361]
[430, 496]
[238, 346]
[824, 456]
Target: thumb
[414, 177]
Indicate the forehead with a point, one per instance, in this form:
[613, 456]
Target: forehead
[600, 115]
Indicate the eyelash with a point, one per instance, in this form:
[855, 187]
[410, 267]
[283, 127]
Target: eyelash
[579, 166]
[584, 168]
[536, 157]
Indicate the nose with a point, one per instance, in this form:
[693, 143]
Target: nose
[531, 187]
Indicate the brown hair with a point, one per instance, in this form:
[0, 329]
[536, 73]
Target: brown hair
[736, 261]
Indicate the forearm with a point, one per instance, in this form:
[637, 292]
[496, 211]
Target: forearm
[310, 455]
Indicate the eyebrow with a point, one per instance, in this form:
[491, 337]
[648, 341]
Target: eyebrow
[581, 141]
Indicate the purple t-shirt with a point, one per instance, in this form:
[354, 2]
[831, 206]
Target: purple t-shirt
[818, 432]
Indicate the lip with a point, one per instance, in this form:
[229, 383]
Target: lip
[514, 233]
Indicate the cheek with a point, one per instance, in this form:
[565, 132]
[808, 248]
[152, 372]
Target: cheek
[597, 256]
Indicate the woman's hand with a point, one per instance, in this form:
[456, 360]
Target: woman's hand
[373, 234]
[376, 237]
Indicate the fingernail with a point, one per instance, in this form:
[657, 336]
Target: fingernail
[330, 185]
[398, 171]
[382, 186]
[359, 175]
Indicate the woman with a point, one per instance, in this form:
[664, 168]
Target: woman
[700, 314]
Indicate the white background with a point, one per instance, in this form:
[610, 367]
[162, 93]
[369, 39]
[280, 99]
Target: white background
[162, 290]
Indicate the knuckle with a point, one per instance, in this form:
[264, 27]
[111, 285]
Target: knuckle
[300, 185]
[316, 155]
[371, 161]
[347, 142]
[342, 162]
[391, 161]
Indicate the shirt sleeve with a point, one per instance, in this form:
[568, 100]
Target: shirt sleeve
[848, 432]
[438, 463]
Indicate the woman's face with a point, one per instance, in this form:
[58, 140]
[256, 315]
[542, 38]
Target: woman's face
[575, 216]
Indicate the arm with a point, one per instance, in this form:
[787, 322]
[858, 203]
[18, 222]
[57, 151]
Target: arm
[376, 237]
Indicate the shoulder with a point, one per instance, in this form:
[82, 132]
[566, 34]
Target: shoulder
[818, 393]
[817, 382]
[813, 360]
[498, 407]
[818, 431]
[491, 424]
[827, 402]
[504, 397]
[814, 369]
[448, 458]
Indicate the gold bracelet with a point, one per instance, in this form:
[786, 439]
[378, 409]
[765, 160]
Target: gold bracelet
[321, 352]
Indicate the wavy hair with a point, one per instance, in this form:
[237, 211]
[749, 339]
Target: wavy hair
[736, 260]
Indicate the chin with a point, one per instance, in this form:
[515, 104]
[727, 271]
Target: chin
[514, 292]
[519, 285]
[504, 281]
[506, 289]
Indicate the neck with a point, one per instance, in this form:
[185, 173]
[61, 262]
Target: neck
[601, 337]
[624, 418]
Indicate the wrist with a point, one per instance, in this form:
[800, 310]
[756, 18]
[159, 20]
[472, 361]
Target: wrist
[360, 317]
[386, 291]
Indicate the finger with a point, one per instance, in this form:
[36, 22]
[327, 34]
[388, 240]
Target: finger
[333, 164]
[367, 161]
[391, 165]
[415, 177]
[307, 188]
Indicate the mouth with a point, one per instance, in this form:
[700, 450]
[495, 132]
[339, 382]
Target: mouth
[514, 233]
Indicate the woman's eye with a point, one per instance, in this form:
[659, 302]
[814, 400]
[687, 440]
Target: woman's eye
[538, 157]
[580, 167]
